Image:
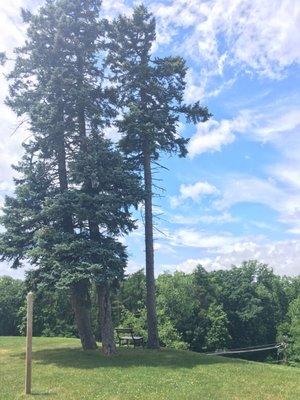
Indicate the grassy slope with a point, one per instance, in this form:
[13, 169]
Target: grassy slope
[62, 371]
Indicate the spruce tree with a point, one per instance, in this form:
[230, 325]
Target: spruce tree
[74, 192]
[151, 93]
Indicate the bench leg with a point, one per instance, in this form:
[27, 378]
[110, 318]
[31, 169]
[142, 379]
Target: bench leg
[139, 342]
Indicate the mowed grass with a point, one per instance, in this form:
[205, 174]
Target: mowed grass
[61, 370]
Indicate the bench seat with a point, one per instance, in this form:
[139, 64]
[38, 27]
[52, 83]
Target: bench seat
[126, 336]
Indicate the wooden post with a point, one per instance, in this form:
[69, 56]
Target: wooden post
[28, 343]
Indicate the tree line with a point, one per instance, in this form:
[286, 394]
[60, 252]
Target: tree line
[76, 75]
[203, 311]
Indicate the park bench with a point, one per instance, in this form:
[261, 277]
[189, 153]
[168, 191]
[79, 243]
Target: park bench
[127, 336]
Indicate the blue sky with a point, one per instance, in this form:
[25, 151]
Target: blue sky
[237, 194]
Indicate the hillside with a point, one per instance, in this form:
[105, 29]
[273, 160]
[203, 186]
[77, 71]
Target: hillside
[62, 371]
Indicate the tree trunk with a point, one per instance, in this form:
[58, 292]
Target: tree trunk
[80, 295]
[153, 339]
[107, 332]
[67, 223]
[81, 306]
[104, 305]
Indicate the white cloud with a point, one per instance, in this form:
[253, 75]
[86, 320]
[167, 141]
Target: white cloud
[244, 189]
[257, 35]
[194, 90]
[112, 9]
[112, 133]
[274, 123]
[193, 192]
[133, 266]
[271, 123]
[220, 251]
[17, 273]
[212, 135]
[204, 219]
[11, 29]
[286, 174]
[163, 248]
[241, 189]
[198, 239]
[282, 256]
[186, 266]
[197, 190]
[278, 124]
[12, 34]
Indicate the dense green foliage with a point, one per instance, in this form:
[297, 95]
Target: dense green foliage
[200, 311]
[241, 307]
[53, 314]
[294, 314]
[289, 332]
[61, 371]
[11, 300]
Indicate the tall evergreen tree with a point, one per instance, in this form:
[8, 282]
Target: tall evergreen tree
[294, 315]
[75, 191]
[151, 93]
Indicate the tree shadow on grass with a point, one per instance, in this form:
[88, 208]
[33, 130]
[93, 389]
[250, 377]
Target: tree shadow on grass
[43, 394]
[126, 358]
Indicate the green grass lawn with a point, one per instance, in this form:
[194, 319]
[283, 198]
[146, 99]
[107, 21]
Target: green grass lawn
[61, 370]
